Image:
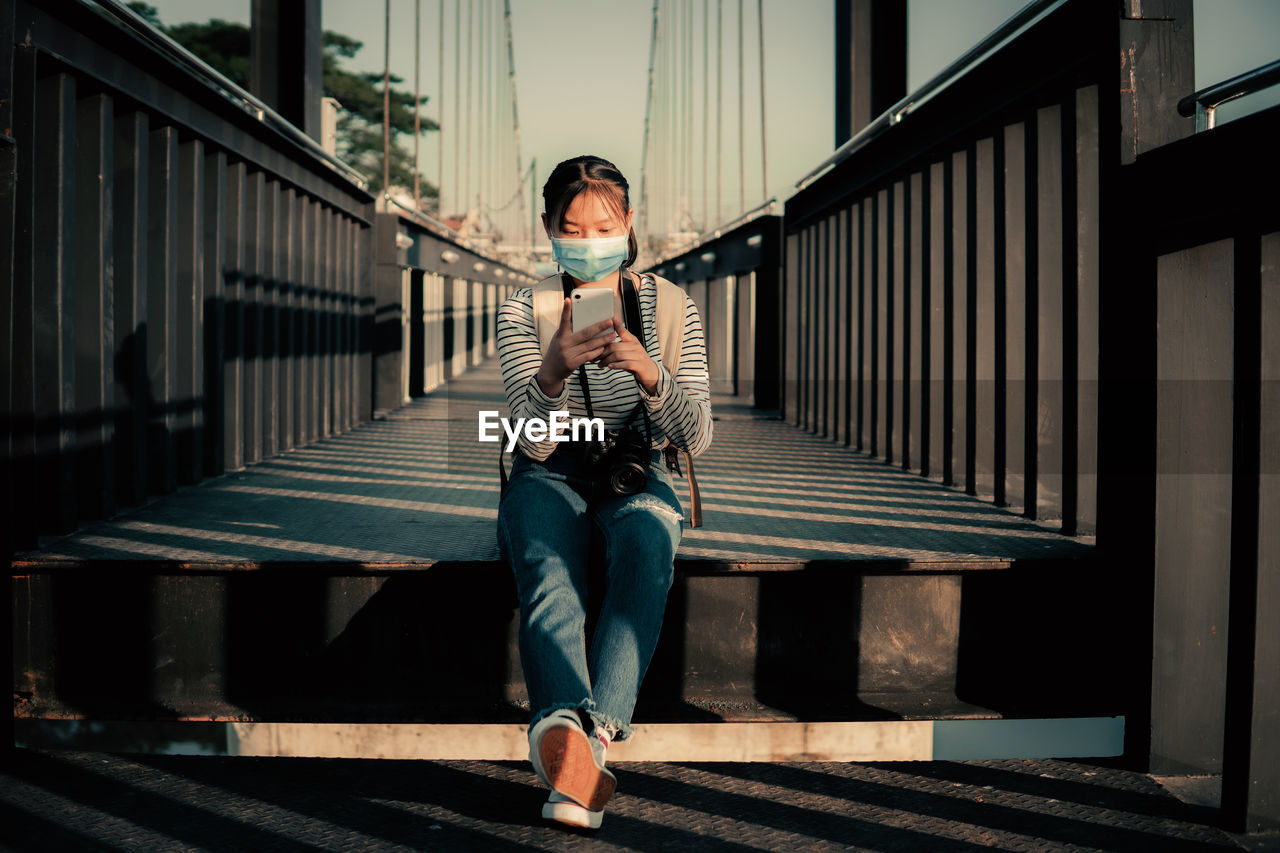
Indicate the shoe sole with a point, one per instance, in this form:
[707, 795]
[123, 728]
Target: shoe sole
[572, 770]
[572, 814]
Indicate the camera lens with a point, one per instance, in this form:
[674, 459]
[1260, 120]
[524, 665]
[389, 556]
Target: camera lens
[627, 479]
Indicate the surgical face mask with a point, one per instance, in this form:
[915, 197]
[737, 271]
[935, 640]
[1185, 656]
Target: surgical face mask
[589, 258]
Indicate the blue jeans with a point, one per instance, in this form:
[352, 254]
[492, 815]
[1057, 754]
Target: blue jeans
[545, 522]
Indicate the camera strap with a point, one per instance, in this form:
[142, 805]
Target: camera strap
[634, 321]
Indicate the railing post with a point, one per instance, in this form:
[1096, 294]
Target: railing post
[388, 345]
[286, 48]
[54, 300]
[1157, 68]
[871, 61]
[95, 349]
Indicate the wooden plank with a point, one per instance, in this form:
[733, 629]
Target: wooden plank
[1050, 371]
[1193, 506]
[215, 313]
[315, 284]
[270, 292]
[162, 310]
[917, 349]
[792, 306]
[935, 325]
[95, 339]
[866, 327]
[987, 238]
[1262, 808]
[882, 402]
[189, 299]
[1088, 289]
[958, 321]
[1015, 313]
[233, 253]
[286, 305]
[254, 263]
[298, 309]
[849, 322]
[841, 326]
[54, 330]
[831, 328]
[897, 327]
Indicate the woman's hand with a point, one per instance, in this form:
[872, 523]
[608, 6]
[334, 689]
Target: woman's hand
[569, 349]
[630, 355]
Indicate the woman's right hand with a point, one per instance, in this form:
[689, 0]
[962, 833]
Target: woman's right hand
[569, 349]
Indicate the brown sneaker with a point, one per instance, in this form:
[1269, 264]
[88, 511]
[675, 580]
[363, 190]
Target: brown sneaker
[563, 759]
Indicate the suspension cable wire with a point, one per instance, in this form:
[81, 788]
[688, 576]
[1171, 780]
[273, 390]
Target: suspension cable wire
[457, 102]
[644, 145]
[764, 156]
[719, 109]
[440, 113]
[742, 125]
[515, 115]
[478, 107]
[687, 187]
[386, 103]
[470, 110]
[705, 91]
[417, 99]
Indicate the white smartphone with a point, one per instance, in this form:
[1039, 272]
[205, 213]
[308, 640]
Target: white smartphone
[591, 305]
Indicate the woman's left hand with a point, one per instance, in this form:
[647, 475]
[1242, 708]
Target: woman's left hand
[629, 354]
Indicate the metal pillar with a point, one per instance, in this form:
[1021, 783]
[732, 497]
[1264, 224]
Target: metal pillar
[285, 50]
[871, 61]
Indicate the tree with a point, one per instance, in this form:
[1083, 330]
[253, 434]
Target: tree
[224, 45]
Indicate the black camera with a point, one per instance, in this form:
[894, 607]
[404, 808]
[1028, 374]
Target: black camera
[621, 461]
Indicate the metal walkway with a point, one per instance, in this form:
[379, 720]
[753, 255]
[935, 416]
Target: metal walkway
[92, 801]
[417, 488]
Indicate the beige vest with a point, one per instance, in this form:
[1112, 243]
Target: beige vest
[548, 302]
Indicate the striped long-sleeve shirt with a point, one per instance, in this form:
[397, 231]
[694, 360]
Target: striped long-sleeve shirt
[680, 408]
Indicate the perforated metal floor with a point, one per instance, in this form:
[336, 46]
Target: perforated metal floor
[81, 801]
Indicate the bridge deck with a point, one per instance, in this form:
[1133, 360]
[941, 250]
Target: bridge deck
[417, 488]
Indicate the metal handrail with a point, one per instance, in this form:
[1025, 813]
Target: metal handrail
[1204, 103]
[704, 237]
[1024, 18]
[122, 16]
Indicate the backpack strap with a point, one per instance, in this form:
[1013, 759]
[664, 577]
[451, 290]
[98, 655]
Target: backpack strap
[548, 300]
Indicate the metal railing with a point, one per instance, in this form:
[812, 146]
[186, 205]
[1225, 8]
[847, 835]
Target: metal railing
[1204, 103]
[1011, 29]
[116, 14]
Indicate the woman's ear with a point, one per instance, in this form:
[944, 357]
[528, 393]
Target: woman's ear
[545, 226]
[630, 216]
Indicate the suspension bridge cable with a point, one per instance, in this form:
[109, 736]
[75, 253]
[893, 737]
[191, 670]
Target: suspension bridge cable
[687, 187]
[742, 125]
[719, 150]
[417, 97]
[457, 101]
[515, 115]
[466, 184]
[644, 145]
[386, 103]
[440, 110]
[705, 91]
[764, 157]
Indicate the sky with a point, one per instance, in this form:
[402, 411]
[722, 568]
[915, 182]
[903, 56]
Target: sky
[581, 75]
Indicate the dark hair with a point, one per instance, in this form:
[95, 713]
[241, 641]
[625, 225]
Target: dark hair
[588, 174]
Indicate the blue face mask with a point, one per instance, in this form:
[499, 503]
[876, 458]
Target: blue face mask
[590, 258]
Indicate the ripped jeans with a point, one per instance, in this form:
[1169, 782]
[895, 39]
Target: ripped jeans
[545, 521]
